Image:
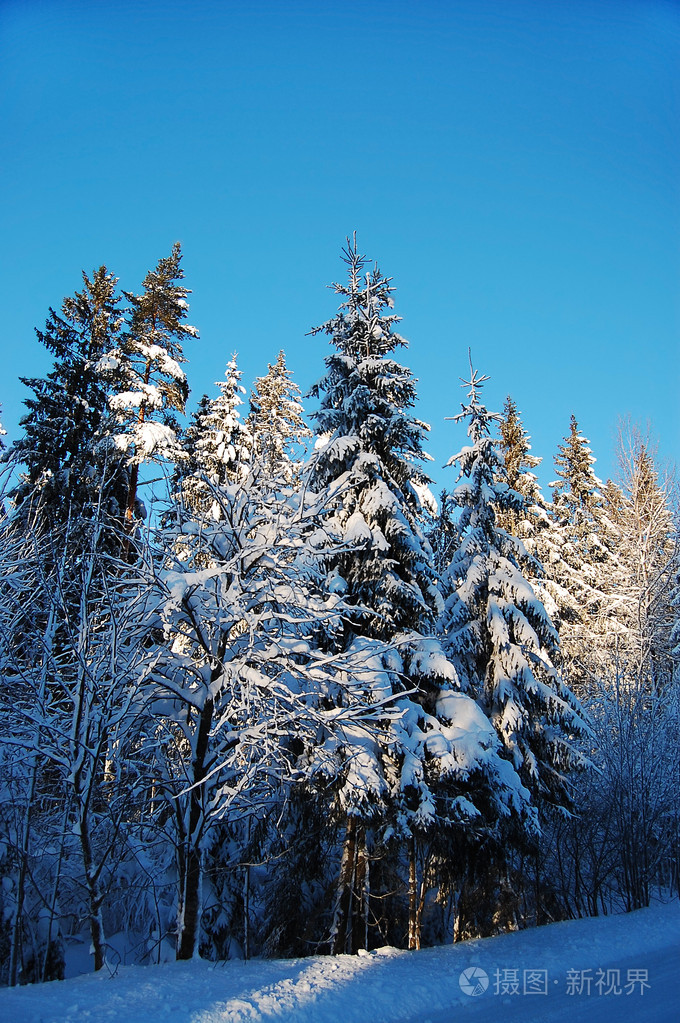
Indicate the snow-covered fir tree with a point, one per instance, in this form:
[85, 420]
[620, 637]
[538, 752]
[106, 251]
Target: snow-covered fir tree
[640, 508]
[578, 553]
[276, 422]
[519, 470]
[145, 373]
[443, 532]
[497, 631]
[423, 767]
[63, 469]
[218, 443]
[577, 490]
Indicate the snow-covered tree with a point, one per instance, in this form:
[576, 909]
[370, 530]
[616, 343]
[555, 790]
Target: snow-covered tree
[276, 422]
[640, 508]
[577, 549]
[249, 698]
[145, 373]
[443, 532]
[218, 443]
[497, 631]
[67, 710]
[368, 459]
[63, 470]
[519, 471]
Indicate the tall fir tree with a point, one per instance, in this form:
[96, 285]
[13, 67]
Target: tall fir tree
[218, 443]
[578, 552]
[519, 470]
[432, 763]
[640, 508]
[276, 422]
[497, 631]
[65, 470]
[146, 374]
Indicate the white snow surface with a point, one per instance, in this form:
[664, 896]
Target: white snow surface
[393, 986]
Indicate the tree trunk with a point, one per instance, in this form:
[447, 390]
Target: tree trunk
[15, 946]
[190, 908]
[413, 921]
[349, 931]
[95, 894]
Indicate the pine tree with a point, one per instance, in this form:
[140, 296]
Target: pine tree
[647, 558]
[578, 552]
[65, 470]
[519, 465]
[145, 372]
[429, 766]
[218, 443]
[497, 631]
[276, 421]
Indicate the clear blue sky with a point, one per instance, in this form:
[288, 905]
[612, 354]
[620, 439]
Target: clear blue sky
[514, 165]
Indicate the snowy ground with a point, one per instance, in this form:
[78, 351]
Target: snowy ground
[391, 986]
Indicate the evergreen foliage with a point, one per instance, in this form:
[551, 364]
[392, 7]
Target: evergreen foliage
[497, 631]
[145, 373]
[218, 444]
[65, 473]
[305, 710]
[519, 465]
[367, 456]
[276, 422]
[578, 551]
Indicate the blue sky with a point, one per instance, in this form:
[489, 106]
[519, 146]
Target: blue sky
[514, 165]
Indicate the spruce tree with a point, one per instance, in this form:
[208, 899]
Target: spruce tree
[276, 422]
[146, 374]
[647, 558]
[578, 552]
[218, 443]
[497, 631]
[519, 465]
[65, 469]
[428, 768]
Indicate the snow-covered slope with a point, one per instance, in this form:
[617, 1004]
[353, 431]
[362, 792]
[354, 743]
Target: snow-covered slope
[391, 986]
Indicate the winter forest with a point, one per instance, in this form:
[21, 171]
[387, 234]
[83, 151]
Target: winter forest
[263, 695]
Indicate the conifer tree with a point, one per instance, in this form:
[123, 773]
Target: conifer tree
[145, 372]
[65, 470]
[443, 533]
[218, 443]
[367, 460]
[647, 558]
[276, 421]
[577, 491]
[578, 552]
[497, 631]
[519, 465]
